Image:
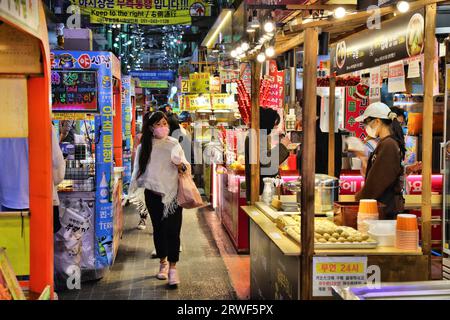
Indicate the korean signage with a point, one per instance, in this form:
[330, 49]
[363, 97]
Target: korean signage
[375, 85]
[275, 96]
[153, 84]
[147, 12]
[200, 82]
[398, 39]
[185, 86]
[396, 80]
[353, 109]
[23, 12]
[157, 75]
[337, 271]
[101, 64]
[126, 125]
[207, 101]
[74, 91]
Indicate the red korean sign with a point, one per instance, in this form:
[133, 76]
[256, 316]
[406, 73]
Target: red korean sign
[353, 109]
[275, 97]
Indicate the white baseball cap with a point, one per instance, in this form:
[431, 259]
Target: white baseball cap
[377, 110]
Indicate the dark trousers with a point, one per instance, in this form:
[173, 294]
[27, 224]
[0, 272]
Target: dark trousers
[166, 232]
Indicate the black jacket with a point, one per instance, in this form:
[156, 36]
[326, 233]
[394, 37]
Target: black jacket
[283, 154]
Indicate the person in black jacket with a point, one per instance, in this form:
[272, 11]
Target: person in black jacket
[269, 118]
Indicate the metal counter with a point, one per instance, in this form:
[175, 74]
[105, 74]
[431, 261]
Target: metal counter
[425, 290]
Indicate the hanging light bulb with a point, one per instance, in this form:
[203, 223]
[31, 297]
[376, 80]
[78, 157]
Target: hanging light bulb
[239, 51]
[403, 6]
[261, 57]
[339, 12]
[245, 46]
[269, 26]
[270, 51]
[255, 21]
[233, 54]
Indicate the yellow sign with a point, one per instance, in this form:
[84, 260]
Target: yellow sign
[340, 267]
[199, 102]
[222, 101]
[156, 12]
[185, 86]
[199, 82]
[215, 84]
[72, 116]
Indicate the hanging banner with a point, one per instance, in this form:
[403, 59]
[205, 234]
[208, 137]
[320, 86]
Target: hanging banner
[246, 75]
[397, 39]
[337, 271]
[200, 82]
[157, 12]
[126, 130]
[396, 80]
[275, 95]
[353, 109]
[375, 85]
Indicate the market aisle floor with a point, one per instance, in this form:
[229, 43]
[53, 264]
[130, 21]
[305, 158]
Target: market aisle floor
[204, 272]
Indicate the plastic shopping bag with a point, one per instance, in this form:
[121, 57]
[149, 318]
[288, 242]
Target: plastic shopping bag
[188, 195]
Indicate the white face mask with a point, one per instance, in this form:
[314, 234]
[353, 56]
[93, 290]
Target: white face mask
[371, 132]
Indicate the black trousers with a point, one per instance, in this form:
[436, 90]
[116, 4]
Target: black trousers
[166, 232]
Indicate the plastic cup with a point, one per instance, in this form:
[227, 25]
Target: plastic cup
[407, 222]
[368, 206]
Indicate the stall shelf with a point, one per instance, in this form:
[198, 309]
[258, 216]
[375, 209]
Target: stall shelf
[97, 208]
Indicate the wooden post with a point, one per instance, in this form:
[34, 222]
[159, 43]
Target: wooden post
[429, 56]
[331, 122]
[308, 160]
[254, 133]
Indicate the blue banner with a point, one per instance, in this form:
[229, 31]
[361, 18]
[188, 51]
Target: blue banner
[126, 129]
[154, 75]
[102, 63]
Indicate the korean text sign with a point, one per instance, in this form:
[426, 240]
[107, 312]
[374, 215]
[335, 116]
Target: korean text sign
[337, 271]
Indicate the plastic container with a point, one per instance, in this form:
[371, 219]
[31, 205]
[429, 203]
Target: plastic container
[384, 231]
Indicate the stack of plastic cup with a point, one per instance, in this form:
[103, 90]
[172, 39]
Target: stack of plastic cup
[368, 210]
[407, 233]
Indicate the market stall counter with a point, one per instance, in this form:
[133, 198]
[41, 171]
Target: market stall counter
[276, 254]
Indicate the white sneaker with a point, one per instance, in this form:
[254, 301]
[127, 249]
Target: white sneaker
[163, 271]
[181, 248]
[142, 224]
[174, 279]
[154, 255]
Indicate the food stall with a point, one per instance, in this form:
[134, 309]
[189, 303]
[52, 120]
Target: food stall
[86, 96]
[25, 108]
[293, 260]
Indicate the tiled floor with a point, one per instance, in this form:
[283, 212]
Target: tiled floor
[203, 272]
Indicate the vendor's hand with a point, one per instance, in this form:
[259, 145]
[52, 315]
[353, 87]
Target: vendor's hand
[285, 141]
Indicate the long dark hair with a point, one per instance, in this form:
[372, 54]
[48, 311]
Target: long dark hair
[147, 139]
[396, 133]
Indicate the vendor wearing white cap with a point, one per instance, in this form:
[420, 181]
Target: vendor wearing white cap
[384, 175]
